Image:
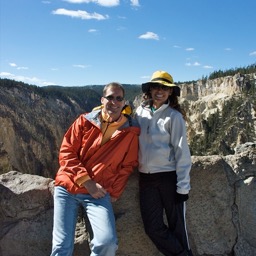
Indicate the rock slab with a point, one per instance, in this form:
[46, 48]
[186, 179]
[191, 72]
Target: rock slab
[221, 211]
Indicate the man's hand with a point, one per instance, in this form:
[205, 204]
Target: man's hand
[113, 199]
[95, 189]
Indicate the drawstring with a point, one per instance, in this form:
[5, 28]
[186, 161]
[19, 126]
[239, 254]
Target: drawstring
[108, 123]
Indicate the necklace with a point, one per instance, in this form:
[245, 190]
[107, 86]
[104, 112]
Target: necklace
[153, 109]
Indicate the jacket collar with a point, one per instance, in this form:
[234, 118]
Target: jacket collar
[147, 105]
[94, 117]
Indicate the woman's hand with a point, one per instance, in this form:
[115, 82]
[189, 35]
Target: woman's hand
[180, 198]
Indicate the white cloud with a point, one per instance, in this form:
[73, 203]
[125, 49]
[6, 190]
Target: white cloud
[92, 30]
[122, 17]
[80, 66]
[207, 67]
[106, 3]
[252, 53]
[14, 65]
[5, 74]
[149, 35]
[28, 80]
[227, 49]
[135, 3]
[78, 1]
[80, 14]
[190, 49]
[193, 64]
[176, 46]
[19, 68]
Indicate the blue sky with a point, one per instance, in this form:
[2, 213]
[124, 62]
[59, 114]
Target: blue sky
[86, 42]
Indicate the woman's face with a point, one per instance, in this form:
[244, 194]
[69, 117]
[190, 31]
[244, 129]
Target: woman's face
[160, 94]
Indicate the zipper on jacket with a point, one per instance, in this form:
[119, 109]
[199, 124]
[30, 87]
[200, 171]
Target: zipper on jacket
[148, 129]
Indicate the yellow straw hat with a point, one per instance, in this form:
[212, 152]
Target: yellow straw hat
[161, 77]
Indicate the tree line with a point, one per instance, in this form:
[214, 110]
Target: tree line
[231, 72]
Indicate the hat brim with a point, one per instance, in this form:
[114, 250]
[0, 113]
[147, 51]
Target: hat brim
[146, 86]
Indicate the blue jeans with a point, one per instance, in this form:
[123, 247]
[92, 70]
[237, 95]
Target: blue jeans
[100, 215]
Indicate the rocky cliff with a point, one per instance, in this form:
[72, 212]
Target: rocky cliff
[221, 211]
[32, 123]
[221, 115]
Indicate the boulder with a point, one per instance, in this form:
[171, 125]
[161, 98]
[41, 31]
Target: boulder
[221, 211]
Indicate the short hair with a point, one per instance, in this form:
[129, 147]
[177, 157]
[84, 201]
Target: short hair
[113, 84]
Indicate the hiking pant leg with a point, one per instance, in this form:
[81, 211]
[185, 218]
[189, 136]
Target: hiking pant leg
[101, 217]
[152, 212]
[64, 222]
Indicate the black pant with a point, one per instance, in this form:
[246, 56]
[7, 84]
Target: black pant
[157, 196]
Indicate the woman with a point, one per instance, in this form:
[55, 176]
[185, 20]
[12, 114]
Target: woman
[164, 165]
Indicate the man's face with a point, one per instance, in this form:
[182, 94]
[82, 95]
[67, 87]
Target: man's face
[113, 101]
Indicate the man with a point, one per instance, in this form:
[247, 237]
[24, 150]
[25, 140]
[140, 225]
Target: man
[98, 153]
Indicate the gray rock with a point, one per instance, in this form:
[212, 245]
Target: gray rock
[221, 212]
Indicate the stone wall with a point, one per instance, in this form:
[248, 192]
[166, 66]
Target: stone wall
[221, 211]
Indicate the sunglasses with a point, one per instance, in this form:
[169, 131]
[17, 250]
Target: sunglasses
[159, 86]
[111, 97]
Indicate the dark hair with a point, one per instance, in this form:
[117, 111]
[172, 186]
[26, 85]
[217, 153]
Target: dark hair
[173, 102]
[113, 84]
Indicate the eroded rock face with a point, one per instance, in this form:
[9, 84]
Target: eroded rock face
[32, 123]
[221, 211]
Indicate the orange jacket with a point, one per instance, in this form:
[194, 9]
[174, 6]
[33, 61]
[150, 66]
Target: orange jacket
[110, 164]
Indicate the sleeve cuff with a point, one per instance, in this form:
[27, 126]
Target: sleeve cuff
[82, 179]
